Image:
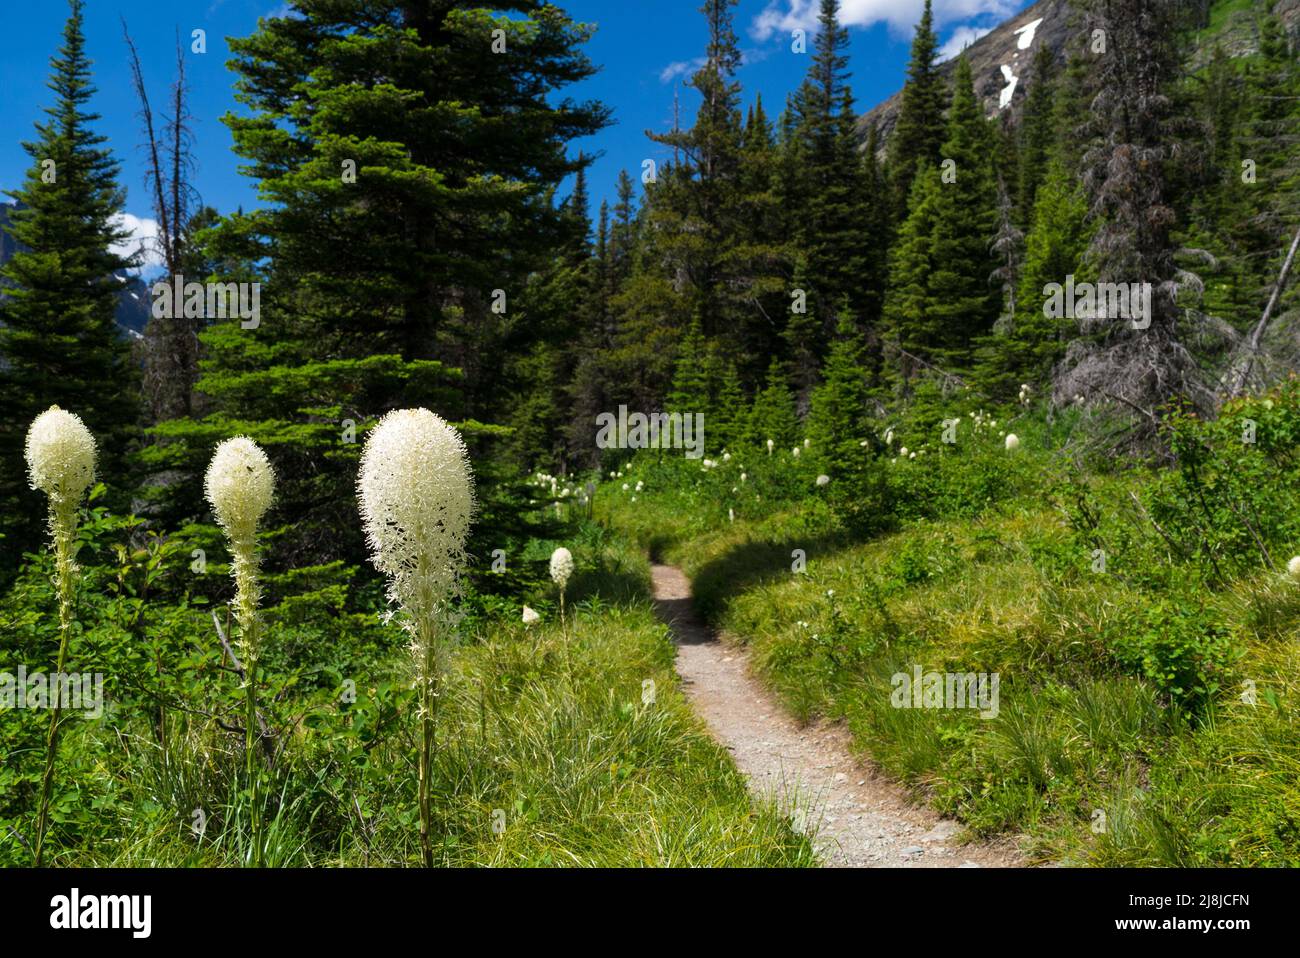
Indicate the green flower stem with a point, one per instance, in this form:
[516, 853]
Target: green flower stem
[246, 597]
[429, 713]
[63, 522]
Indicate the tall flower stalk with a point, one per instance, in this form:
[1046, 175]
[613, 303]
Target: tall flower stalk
[561, 569]
[240, 485]
[416, 493]
[60, 454]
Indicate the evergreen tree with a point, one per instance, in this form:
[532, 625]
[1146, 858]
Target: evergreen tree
[698, 207]
[773, 415]
[908, 323]
[59, 344]
[834, 229]
[761, 261]
[919, 132]
[965, 303]
[692, 383]
[410, 174]
[1026, 348]
[943, 301]
[1137, 137]
[839, 404]
[1036, 132]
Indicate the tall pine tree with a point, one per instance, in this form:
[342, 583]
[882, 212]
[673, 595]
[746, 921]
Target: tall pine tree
[58, 339]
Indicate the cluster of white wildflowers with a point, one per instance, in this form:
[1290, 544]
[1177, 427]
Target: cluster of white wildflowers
[1026, 391]
[416, 493]
[982, 423]
[823, 480]
[551, 487]
[907, 455]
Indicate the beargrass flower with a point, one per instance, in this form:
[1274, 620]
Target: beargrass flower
[239, 485]
[770, 445]
[60, 453]
[416, 494]
[1293, 567]
[1012, 442]
[823, 480]
[530, 616]
[561, 566]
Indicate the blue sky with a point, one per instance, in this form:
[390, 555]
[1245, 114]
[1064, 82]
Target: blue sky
[646, 48]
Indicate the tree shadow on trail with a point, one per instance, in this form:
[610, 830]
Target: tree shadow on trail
[756, 563]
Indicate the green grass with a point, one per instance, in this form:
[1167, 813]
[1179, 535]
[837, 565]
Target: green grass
[1087, 758]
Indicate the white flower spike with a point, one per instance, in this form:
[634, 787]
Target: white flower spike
[60, 456]
[561, 566]
[416, 492]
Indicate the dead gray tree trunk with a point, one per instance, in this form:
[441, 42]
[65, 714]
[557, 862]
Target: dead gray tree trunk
[1252, 348]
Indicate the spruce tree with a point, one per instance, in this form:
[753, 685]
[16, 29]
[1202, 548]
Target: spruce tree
[920, 131]
[773, 415]
[834, 230]
[943, 298]
[59, 344]
[698, 210]
[839, 404]
[761, 262]
[1036, 132]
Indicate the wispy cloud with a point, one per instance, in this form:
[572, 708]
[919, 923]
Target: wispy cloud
[680, 68]
[961, 38]
[783, 16]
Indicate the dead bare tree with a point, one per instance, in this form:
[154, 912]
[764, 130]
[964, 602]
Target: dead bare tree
[1135, 132]
[1246, 364]
[171, 343]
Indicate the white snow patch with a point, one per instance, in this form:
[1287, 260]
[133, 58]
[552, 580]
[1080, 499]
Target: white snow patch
[1027, 34]
[1009, 90]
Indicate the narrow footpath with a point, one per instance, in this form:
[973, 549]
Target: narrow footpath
[860, 818]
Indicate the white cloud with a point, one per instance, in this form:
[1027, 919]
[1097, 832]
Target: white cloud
[782, 16]
[961, 38]
[143, 235]
[680, 68]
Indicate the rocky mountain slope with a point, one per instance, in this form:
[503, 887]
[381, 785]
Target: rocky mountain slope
[1001, 59]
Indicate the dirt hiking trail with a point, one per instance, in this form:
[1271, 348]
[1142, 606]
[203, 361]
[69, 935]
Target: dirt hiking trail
[861, 819]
